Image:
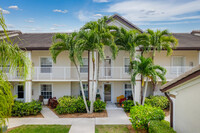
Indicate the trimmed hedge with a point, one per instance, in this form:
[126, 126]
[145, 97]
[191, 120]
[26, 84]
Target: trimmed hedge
[156, 126]
[70, 104]
[25, 109]
[141, 115]
[127, 105]
[157, 101]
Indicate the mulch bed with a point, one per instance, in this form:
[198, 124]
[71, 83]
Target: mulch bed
[81, 115]
[30, 116]
[131, 130]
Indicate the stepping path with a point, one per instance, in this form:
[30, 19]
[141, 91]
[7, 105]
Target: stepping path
[47, 113]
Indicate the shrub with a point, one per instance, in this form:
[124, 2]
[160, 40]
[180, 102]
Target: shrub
[80, 105]
[156, 126]
[141, 115]
[157, 101]
[67, 104]
[99, 106]
[25, 109]
[127, 105]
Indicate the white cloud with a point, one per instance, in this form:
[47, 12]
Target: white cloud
[100, 1]
[14, 7]
[59, 25]
[97, 15]
[52, 28]
[4, 11]
[30, 20]
[60, 11]
[10, 26]
[88, 16]
[151, 10]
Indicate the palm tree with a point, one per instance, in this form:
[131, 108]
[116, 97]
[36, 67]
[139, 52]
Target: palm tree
[68, 42]
[13, 56]
[95, 35]
[129, 41]
[145, 67]
[161, 40]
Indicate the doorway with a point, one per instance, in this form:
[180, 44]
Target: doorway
[107, 67]
[20, 92]
[107, 92]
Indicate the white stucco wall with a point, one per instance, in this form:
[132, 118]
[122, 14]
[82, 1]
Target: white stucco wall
[187, 107]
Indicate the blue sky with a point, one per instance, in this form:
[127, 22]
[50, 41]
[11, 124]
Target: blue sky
[70, 15]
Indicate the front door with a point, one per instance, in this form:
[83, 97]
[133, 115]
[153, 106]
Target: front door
[20, 92]
[107, 67]
[107, 92]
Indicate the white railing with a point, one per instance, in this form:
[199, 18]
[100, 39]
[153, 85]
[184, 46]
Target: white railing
[70, 73]
[11, 74]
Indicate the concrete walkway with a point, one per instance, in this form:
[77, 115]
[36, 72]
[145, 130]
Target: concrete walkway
[116, 116]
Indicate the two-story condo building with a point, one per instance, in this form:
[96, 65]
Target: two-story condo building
[56, 80]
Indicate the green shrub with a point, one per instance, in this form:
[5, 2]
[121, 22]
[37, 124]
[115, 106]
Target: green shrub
[25, 109]
[66, 104]
[80, 105]
[141, 115]
[99, 106]
[157, 101]
[127, 105]
[156, 126]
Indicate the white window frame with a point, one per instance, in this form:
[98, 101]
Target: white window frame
[16, 92]
[124, 70]
[47, 67]
[84, 66]
[172, 64]
[127, 89]
[40, 92]
[111, 68]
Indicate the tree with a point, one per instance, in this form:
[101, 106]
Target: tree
[129, 41]
[161, 40]
[145, 67]
[95, 36]
[13, 56]
[69, 42]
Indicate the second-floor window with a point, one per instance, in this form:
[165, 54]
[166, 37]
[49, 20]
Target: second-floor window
[84, 67]
[85, 88]
[178, 64]
[126, 65]
[46, 65]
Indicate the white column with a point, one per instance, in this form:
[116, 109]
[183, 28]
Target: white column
[28, 83]
[137, 89]
[199, 57]
[91, 72]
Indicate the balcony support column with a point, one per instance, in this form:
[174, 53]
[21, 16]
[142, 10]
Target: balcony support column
[28, 83]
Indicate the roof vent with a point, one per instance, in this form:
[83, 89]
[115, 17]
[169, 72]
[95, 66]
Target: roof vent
[196, 32]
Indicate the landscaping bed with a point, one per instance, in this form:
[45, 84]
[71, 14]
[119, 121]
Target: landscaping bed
[40, 129]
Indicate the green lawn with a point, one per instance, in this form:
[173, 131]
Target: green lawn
[111, 129]
[41, 129]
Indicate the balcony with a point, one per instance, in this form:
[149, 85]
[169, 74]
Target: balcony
[70, 73]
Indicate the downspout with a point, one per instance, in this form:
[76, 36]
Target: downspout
[88, 74]
[171, 109]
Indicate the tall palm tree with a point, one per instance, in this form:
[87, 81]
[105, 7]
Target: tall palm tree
[161, 40]
[129, 41]
[68, 42]
[145, 67]
[12, 55]
[96, 35]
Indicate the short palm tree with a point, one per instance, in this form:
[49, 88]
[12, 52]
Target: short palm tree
[161, 40]
[68, 42]
[12, 55]
[129, 41]
[145, 67]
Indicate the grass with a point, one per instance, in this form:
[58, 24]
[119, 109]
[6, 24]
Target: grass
[111, 129]
[41, 129]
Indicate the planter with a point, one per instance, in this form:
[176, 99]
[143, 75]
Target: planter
[3, 129]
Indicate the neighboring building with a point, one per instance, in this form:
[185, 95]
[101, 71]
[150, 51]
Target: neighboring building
[56, 80]
[185, 108]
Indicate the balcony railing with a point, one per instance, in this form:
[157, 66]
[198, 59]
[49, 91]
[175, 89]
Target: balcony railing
[70, 73]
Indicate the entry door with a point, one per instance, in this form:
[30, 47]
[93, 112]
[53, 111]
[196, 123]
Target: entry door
[107, 67]
[20, 92]
[107, 92]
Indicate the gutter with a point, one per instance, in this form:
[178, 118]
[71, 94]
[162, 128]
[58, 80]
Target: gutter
[171, 109]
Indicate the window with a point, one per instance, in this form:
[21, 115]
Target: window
[20, 91]
[46, 65]
[84, 67]
[6, 68]
[128, 91]
[85, 88]
[177, 64]
[46, 91]
[126, 65]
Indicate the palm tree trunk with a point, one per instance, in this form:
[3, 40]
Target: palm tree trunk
[97, 79]
[132, 85]
[92, 90]
[81, 84]
[145, 90]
